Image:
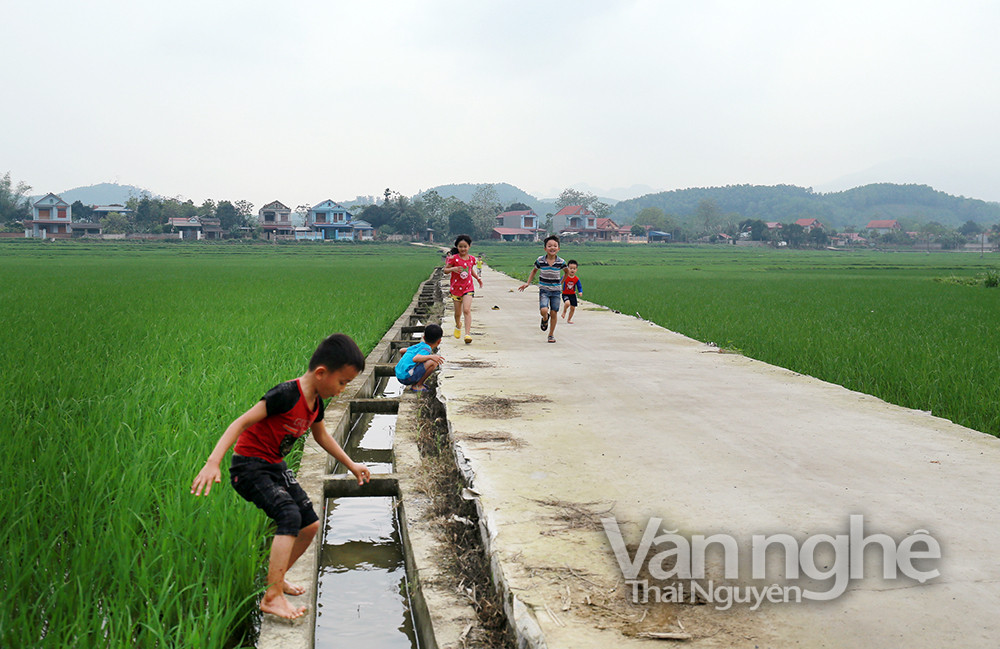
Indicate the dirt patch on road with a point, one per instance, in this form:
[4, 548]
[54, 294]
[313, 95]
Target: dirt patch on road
[498, 437]
[472, 363]
[491, 407]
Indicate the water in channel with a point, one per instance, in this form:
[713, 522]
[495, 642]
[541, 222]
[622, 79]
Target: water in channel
[363, 592]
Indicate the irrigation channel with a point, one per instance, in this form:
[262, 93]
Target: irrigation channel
[379, 573]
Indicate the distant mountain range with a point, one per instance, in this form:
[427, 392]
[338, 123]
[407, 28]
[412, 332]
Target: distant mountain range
[910, 204]
[508, 194]
[102, 194]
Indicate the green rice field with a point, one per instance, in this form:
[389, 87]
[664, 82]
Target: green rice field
[122, 365]
[915, 329]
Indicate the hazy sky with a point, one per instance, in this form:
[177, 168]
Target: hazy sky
[303, 101]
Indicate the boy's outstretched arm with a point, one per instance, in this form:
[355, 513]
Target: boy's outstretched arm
[534, 269]
[211, 473]
[331, 446]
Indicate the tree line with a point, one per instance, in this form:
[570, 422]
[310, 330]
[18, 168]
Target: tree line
[708, 222]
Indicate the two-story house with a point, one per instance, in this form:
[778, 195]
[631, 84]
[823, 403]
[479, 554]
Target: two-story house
[335, 223]
[332, 220]
[50, 216]
[517, 225]
[575, 219]
[578, 221]
[275, 219]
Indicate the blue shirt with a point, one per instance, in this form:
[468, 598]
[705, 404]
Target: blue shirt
[406, 364]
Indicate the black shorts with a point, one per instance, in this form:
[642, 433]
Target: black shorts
[570, 297]
[274, 489]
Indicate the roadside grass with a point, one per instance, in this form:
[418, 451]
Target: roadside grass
[122, 365]
[914, 329]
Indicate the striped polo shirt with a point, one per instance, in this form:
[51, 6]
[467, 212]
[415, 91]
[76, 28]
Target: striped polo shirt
[550, 275]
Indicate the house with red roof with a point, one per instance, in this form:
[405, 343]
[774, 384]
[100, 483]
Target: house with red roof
[809, 224]
[578, 221]
[517, 225]
[884, 226]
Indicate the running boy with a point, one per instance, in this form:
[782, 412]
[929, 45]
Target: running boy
[419, 360]
[571, 287]
[463, 270]
[550, 267]
[263, 436]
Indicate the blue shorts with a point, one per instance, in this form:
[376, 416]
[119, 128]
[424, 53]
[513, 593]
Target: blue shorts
[547, 300]
[414, 375]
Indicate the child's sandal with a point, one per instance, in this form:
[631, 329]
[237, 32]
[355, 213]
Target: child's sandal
[552, 339]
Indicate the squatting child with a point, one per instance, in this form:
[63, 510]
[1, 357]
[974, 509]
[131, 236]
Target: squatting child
[263, 435]
[419, 361]
[571, 287]
[549, 268]
[463, 270]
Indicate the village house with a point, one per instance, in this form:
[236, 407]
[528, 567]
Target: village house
[845, 239]
[578, 221]
[98, 212]
[335, 223]
[517, 225]
[275, 219]
[51, 217]
[197, 228]
[810, 224]
[883, 226]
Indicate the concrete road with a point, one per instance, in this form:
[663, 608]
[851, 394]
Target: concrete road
[623, 419]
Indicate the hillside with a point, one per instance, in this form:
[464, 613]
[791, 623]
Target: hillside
[853, 207]
[508, 194]
[101, 194]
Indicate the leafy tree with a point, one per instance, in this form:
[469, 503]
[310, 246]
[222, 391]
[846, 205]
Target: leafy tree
[755, 227]
[970, 228]
[794, 234]
[244, 209]
[460, 222]
[708, 217]
[207, 209]
[378, 215]
[229, 218]
[653, 216]
[601, 209]
[485, 205]
[517, 207]
[117, 223]
[14, 203]
[818, 237]
[148, 213]
[436, 209]
[81, 212]
[638, 231]
[570, 196]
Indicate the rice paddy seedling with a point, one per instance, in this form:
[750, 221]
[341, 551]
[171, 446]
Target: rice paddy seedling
[122, 364]
[880, 323]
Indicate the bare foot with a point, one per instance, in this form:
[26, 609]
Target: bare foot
[281, 607]
[292, 589]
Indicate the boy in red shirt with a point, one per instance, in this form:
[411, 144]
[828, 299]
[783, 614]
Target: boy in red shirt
[571, 287]
[263, 435]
